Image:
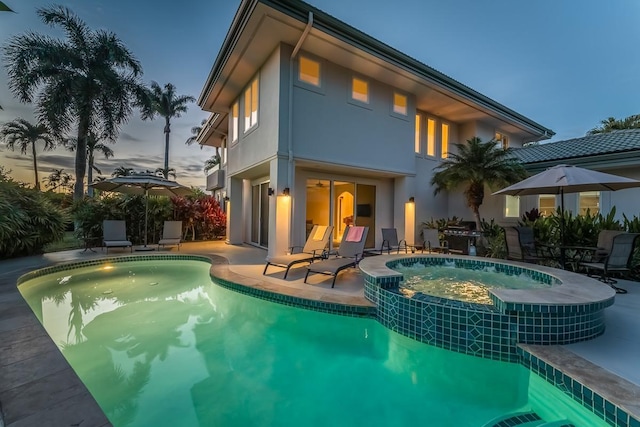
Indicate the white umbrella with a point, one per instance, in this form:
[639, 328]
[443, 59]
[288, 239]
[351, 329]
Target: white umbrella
[562, 179]
[143, 184]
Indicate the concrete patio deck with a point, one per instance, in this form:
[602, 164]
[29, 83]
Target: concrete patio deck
[37, 386]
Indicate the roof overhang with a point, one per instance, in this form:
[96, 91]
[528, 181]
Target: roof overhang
[260, 26]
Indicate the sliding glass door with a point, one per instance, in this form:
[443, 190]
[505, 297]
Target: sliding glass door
[260, 214]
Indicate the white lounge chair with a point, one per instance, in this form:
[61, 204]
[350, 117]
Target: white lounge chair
[312, 250]
[171, 234]
[114, 234]
[348, 254]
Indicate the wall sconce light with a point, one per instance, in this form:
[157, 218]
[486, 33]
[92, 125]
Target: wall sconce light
[411, 199]
[270, 191]
[226, 198]
[285, 192]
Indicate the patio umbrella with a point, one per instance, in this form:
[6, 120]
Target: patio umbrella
[143, 184]
[562, 179]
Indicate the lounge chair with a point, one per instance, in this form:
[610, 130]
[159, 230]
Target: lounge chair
[114, 234]
[521, 246]
[171, 234]
[348, 254]
[618, 260]
[390, 241]
[431, 241]
[312, 250]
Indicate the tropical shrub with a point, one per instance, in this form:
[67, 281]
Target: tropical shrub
[28, 220]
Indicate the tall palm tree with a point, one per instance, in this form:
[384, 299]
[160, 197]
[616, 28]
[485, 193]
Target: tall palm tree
[89, 80]
[58, 179]
[165, 103]
[475, 165]
[611, 124]
[23, 134]
[93, 145]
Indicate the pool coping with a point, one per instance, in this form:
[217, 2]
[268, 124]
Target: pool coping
[76, 407]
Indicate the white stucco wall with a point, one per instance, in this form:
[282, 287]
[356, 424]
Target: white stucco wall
[328, 127]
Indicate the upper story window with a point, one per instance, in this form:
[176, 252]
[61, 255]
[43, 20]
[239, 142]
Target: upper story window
[251, 105]
[308, 71]
[512, 207]
[360, 90]
[502, 139]
[399, 103]
[417, 137]
[445, 141]
[233, 131]
[546, 204]
[431, 137]
[589, 200]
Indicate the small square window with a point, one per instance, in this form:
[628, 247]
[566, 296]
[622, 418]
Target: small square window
[251, 105]
[512, 207]
[360, 90]
[589, 201]
[502, 139]
[546, 205]
[399, 104]
[309, 71]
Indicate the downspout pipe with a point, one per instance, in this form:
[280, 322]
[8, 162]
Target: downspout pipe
[296, 49]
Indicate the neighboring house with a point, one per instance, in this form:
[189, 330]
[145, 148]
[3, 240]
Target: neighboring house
[616, 152]
[348, 126]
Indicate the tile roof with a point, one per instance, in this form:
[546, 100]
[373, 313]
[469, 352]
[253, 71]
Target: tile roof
[591, 145]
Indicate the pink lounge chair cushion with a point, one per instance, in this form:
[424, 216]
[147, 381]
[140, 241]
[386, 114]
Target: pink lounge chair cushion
[355, 234]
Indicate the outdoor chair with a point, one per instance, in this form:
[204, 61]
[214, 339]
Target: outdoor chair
[114, 234]
[390, 241]
[604, 245]
[311, 251]
[431, 241]
[348, 254]
[618, 260]
[521, 246]
[171, 234]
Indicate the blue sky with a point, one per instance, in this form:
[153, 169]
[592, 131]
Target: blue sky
[565, 64]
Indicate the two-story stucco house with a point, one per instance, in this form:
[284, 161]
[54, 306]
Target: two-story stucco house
[323, 124]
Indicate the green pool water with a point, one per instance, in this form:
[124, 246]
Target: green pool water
[160, 344]
[460, 283]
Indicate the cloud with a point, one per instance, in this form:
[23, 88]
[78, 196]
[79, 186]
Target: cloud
[57, 161]
[128, 137]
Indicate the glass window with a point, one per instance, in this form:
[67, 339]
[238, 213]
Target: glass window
[360, 90]
[399, 104]
[589, 201]
[309, 71]
[546, 205]
[445, 141]
[512, 207]
[417, 138]
[431, 137]
[234, 122]
[251, 105]
[502, 139]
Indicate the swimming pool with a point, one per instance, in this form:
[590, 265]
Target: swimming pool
[158, 343]
[472, 285]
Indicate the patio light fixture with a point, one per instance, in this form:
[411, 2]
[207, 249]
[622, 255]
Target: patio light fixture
[270, 191]
[411, 199]
[285, 192]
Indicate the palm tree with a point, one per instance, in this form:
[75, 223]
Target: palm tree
[89, 80]
[58, 179]
[475, 165]
[93, 145]
[4, 7]
[165, 173]
[122, 171]
[167, 104]
[195, 131]
[212, 162]
[611, 124]
[23, 134]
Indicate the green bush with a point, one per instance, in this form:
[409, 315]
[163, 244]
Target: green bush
[28, 220]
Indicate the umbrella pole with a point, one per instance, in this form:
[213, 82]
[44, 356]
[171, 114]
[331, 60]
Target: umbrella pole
[146, 216]
[562, 243]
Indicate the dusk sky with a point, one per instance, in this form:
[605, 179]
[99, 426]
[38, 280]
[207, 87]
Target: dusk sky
[564, 64]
